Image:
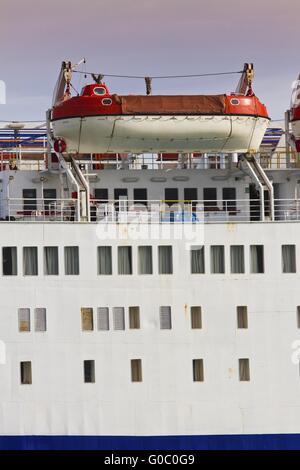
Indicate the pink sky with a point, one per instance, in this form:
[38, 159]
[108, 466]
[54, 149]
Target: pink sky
[147, 37]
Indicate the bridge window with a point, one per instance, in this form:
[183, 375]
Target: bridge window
[30, 261]
[237, 262]
[124, 259]
[104, 260]
[9, 261]
[217, 259]
[165, 259]
[145, 260]
[257, 259]
[197, 260]
[71, 260]
[51, 260]
[288, 258]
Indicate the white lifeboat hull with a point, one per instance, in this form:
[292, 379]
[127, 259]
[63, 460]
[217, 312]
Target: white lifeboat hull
[140, 134]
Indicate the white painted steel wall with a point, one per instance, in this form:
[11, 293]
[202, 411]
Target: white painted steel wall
[167, 401]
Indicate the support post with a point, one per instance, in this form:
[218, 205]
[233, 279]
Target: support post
[287, 138]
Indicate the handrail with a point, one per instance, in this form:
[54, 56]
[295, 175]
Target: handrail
[261, 189]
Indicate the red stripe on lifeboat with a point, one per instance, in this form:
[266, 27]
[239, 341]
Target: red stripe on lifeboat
[245, 105]
[295, 114]
[96, 100]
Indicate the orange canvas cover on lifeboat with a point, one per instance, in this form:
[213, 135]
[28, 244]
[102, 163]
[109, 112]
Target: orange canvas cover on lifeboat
[184, 104]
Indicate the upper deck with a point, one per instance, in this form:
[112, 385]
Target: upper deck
[146, 188]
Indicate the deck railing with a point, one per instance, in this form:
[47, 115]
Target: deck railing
[151, 211]
[36, 210]
[89, 164]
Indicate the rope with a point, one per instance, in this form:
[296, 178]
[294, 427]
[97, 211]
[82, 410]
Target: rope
[158, 77]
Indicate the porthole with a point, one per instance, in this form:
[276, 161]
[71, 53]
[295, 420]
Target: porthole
[100, 90]
[106, 101]
[235, 101]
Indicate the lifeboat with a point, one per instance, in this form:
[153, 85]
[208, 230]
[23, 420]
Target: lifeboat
[295, 114]
[100, 122]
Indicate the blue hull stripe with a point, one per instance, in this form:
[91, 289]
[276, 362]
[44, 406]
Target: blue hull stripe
[236, 442]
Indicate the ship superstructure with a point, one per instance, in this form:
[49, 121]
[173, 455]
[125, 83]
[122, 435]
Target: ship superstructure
[149, 299]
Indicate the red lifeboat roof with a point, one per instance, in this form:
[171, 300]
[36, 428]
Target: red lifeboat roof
[95, 90]
[95, 100]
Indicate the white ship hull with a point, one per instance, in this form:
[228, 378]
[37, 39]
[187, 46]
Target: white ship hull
[137, 134]
[114, 412]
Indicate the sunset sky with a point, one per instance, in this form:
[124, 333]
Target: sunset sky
[147, 37]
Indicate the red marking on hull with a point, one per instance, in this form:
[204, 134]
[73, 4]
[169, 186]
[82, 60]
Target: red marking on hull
[91, 104]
